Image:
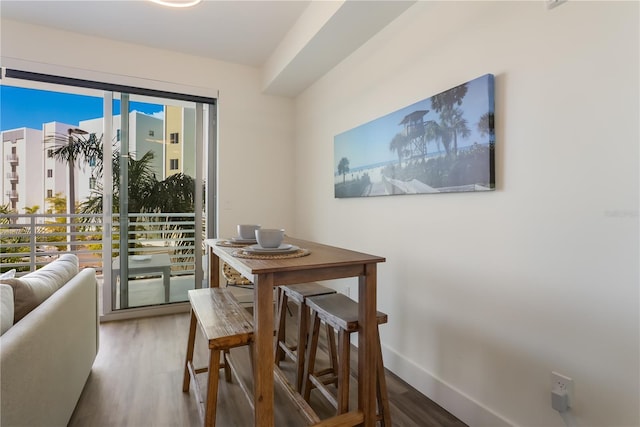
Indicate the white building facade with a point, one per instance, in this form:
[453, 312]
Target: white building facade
[30, 175]
[21, 168]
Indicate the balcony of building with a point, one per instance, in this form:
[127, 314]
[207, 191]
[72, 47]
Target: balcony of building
[13, 177]
[29, 241]
[13, 159]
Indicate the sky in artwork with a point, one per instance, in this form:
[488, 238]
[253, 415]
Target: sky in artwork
[368, 144]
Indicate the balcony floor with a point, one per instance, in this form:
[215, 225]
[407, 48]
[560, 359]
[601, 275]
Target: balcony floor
[150, 291]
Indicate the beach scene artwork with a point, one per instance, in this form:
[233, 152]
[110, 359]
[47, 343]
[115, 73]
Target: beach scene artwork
[442, 144]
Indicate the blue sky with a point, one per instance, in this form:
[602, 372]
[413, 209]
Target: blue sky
[368, 144]
[21, 107]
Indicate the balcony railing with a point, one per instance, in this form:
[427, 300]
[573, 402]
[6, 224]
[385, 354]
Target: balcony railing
[12, 176]
[29, 241]
[13, 159]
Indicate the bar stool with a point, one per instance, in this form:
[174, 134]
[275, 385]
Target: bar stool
[297, 293]
[341, 313]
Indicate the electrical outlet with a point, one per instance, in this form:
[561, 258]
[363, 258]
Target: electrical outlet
[561, 384]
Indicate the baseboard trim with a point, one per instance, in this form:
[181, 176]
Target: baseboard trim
[137, 312]
[460, 405]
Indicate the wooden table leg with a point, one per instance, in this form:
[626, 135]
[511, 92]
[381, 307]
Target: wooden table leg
[263, 354]
[366, 344]
[214, 269]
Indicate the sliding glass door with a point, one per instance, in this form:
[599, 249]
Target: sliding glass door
[125, 187]
[157, 216]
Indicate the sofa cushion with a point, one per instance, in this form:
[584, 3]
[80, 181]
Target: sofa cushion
[33, 288]
[8, 274]
[6, 308]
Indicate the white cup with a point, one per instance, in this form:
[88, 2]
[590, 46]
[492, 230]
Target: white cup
[269, 237]
[247, 231]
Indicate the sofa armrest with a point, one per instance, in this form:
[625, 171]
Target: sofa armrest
[46, 358]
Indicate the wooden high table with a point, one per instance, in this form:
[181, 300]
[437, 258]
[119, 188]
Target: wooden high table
[323, 263]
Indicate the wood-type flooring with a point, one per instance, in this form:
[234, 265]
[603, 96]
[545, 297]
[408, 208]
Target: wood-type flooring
[136, 381]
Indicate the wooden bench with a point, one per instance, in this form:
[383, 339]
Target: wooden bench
[225, 325]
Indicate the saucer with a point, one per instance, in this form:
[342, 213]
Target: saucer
[282, 249]
[241, 240]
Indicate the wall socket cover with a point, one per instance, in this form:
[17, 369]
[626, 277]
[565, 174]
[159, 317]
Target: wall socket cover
[562, 383]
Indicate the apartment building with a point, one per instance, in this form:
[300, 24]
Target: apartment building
[20, 169]
[55, 172]
[27, 183]
[146, 133]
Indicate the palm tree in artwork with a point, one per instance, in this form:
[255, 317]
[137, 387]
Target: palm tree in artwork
[456, 125]
[486, 126]
[435, 132]
[398, 144]
[343, 167]
[451, 119]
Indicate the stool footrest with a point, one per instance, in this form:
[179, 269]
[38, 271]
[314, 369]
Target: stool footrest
[301, 405]
[321, 386]
[241, 383]
[354, 418]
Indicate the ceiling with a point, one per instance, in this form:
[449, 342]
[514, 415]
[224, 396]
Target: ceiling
[243, 32]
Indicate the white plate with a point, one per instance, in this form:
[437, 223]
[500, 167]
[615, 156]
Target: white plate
[241, 240]
[282, 249]
[140, 257]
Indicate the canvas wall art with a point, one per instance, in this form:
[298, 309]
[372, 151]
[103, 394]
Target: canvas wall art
[442, 144]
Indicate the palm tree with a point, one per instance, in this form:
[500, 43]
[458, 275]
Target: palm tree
[71, 149]
[343, 167]
[76, 149]
[5, 210]
[145, 194]
[30, 210]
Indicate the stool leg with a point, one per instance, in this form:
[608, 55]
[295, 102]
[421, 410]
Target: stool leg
[281, 331]
[189, 358]
[333, 353]
[381, 385]
[310, 358]
[212, 388]
[227, 368]
[344, 347]
[303, 331]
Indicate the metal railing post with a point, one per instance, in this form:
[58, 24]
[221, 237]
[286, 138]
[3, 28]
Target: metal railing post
[32, 241]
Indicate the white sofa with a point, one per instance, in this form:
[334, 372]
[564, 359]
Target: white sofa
[46, 356]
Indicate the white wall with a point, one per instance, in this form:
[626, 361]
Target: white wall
[255, 131]
[488, 293]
